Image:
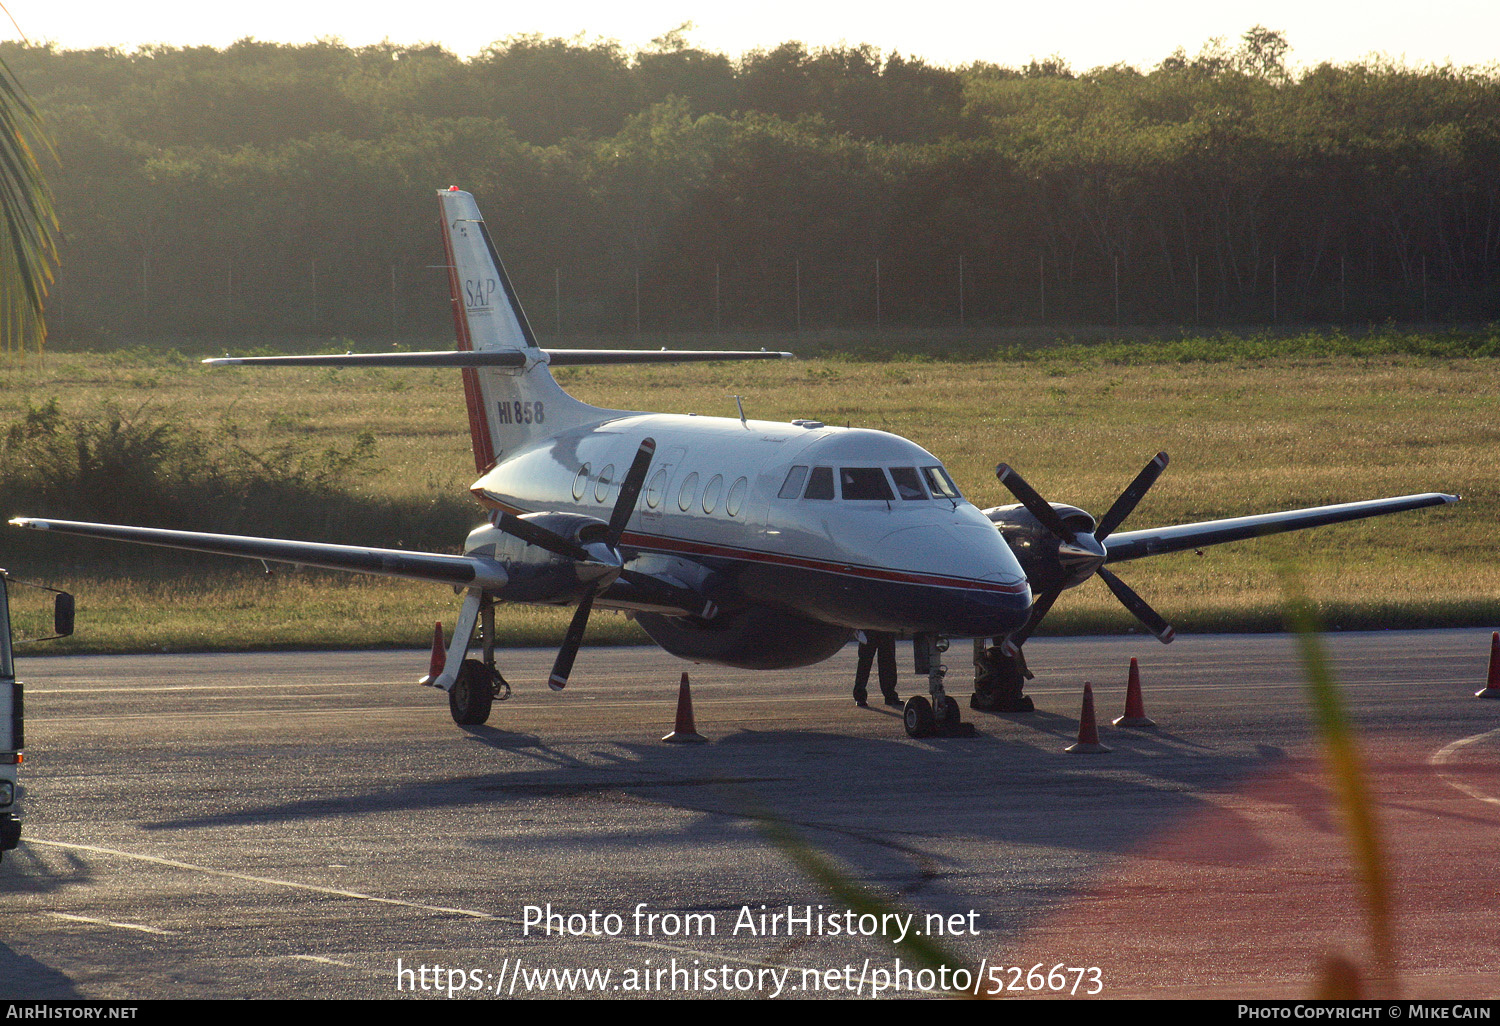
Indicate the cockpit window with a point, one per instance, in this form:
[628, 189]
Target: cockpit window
[908, 483]
[941, 484]
[864, 483]
[820, 484]
[792, 486]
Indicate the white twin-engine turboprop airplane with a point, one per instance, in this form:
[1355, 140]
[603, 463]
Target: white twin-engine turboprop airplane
[740, 542]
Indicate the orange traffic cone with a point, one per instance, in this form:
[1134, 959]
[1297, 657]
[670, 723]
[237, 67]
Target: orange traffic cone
[439, 657]
[1088, 730]
[1135, 709]
[1492, 689]
[686, 732]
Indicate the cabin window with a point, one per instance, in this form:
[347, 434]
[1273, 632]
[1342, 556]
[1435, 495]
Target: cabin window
[688, 494]
[655, 488]
[606, 478]
[864, 483]
[792, 486]
[941, 484]
[581, 482]
[736, 497]
[711, 493]
[908, 483]
[820, 484]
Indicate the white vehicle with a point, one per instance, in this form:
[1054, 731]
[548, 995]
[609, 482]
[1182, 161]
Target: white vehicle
[13, 705]
[734, 541]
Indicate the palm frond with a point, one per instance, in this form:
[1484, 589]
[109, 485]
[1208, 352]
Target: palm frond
[28, 239]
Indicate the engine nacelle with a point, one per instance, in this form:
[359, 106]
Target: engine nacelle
[541, 576]
[1040, 552]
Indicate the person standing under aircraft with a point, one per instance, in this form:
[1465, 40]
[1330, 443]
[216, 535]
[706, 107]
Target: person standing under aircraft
[871, 644]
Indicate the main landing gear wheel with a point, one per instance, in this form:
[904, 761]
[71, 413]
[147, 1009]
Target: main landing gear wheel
[917, 715]
[999, 685]
[948, 717]
[922, 720]
[472, 694]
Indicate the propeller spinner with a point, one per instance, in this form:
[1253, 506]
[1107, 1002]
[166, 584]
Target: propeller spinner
[1082, 555]
[536, 534]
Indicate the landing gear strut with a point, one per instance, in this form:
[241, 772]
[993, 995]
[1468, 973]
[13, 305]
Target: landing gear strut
[940, 715]
[478, 684]
[999, 680]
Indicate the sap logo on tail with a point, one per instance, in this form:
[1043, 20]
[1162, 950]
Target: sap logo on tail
[477, 293]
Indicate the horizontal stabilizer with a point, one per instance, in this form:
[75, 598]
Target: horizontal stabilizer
[502, 358]
[1158, 540]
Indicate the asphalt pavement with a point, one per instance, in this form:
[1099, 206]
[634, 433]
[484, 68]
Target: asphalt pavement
[313, 825]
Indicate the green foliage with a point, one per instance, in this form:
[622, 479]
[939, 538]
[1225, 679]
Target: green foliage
[268, 190]
[28, 248]
[851, 894]
[108, 466]
[139, 468]
[1351, 782]
[1308, 345]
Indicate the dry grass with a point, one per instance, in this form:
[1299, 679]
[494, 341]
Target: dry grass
[1244, 437]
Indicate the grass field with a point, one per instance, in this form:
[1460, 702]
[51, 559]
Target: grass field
[1249, 428]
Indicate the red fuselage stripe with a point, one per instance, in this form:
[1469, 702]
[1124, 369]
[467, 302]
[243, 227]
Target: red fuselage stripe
[660, 543]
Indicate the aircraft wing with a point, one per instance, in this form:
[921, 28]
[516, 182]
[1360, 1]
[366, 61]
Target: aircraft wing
[632, 590]
[1125, 545]
[501, 358]
[421, 566]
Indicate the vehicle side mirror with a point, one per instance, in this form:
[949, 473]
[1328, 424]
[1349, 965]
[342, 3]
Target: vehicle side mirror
[62, 615]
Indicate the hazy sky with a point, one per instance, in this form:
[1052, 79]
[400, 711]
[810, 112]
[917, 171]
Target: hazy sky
[1085, 32]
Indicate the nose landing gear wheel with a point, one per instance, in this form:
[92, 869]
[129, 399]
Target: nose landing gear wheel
[472, 694]
[917, 715]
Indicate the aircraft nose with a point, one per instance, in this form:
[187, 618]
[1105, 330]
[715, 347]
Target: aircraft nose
[970, 583]
[996, 606]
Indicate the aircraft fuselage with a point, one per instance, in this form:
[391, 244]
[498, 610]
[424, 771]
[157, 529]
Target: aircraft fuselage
[862, 536]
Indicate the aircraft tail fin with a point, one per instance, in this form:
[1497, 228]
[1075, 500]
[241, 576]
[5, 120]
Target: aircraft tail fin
[508, 406]
[512, 398]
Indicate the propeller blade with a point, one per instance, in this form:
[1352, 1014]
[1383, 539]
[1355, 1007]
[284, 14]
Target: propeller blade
[1132, 495]
[1029, 497]
[562, 667]
[541, 537]
[630, 491]
[1011, 646]
[1137, 605]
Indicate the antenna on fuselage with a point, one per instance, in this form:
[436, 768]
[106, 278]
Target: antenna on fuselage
[739, 406]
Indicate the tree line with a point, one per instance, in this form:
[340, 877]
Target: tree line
[266, 191]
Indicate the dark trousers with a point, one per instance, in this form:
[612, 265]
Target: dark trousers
[883, 646]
